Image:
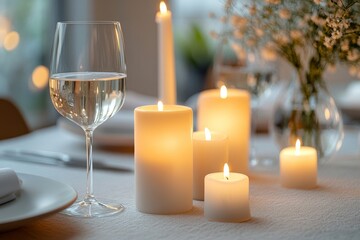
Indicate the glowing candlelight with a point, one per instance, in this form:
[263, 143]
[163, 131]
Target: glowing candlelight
[163, 8]
[227, 199]
[227, 111]
[297, 147]
[226, 171]
[207, 134]
[163, 142]
[298, 166]
[223, 92]
[166, 59]
[210, 151]
[160, 106]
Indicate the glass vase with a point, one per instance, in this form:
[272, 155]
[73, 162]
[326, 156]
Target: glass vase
[310, 116]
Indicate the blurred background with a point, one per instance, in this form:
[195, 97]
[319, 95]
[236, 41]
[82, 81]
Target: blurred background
[26, 35]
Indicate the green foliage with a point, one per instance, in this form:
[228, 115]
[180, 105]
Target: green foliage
[195, 49]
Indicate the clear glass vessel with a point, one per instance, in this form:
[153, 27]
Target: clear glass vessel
[314, 119]
[87, 86]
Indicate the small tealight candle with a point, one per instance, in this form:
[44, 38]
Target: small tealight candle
[298, 167]
[210, 151]
[227, 196]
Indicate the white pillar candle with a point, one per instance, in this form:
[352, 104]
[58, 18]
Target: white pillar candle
[227, 196]
[163, 159]
[298, 167]
[166, 62]
[210, 153]
[228, 111]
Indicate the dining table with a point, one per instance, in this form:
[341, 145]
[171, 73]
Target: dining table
[330, 211]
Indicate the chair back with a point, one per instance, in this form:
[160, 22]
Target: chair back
[12, 122]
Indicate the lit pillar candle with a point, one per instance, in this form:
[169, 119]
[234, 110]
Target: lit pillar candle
[227, 196]
[298, 167]
[163, 159]
[210, 152]
[166, 66]
[228, 111]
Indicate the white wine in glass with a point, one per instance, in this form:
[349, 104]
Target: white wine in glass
[87, 86]
[87, 98]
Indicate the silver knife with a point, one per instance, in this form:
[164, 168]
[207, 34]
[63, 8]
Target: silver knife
[55, 158]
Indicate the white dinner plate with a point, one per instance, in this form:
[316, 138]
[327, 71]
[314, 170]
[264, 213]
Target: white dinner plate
[116, 131]
[39, 197]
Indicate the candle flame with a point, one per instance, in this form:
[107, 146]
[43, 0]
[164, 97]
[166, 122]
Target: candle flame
[207, 134]
[160, 106]
[226, 171]
[297, 147]
[223, 92]
[163, 8]
[11, 40]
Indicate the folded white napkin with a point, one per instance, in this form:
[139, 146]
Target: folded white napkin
[9, 185]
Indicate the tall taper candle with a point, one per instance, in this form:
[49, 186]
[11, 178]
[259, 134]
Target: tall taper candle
[166, 62]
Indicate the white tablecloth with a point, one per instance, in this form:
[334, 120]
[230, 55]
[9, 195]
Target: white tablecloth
[332, 211]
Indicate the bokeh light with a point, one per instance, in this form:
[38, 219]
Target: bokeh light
[5, 27]
[40, 77]
[11, 40]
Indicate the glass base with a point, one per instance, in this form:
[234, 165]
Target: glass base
[92, 208]
[263, 162]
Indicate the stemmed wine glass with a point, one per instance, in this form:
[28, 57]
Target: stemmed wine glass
[87, 86]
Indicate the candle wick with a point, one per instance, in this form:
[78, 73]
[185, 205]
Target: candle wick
[227, 178]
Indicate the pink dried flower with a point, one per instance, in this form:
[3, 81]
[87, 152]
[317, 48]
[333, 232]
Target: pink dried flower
[239, 51]
[259, 32]
[268, 54]
[284, 13]
[353, 70]
[238, 34]
[214, 34]
[275, 2]
[252, 10]
[296, 34]
[281, 38]
[353, 55]
[239, 22]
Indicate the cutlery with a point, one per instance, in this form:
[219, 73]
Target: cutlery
[56, 158]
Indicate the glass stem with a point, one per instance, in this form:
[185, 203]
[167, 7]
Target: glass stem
[254, 113]
[89, 166]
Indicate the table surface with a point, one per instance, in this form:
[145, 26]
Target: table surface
[331, 211]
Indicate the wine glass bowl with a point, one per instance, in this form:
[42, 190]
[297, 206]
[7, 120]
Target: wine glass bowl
[87, 98]
[87, 86]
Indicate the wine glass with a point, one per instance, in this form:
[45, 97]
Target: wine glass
[87, 86]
